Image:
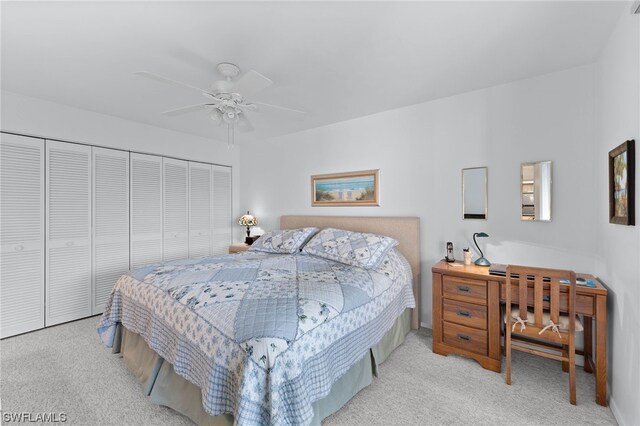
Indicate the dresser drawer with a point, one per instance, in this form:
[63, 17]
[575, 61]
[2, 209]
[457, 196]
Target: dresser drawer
[464, 289]
[467, 338]
[465, 313]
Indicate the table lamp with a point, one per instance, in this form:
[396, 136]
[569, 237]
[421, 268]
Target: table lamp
[248, 221]
[482, 261]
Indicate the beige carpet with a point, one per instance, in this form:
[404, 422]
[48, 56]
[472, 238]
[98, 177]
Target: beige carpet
[65, 369]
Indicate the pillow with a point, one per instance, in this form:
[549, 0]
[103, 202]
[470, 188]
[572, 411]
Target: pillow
[353, 248]
[283, 240]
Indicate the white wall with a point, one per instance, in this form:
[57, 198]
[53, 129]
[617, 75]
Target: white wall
[420, 151]
[37, 117]
[618, 109]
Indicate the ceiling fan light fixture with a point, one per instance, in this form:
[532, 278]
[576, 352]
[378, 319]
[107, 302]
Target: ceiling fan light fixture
[230, 116]
[216, 115]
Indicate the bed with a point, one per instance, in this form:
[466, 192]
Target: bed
[274, 338]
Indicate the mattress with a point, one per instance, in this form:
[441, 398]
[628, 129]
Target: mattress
[263, 336]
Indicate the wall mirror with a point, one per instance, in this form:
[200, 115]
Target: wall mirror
[474, 193]
[535, 191]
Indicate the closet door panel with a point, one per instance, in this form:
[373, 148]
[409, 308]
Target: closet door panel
[68, 262]
[110, 222]
[200, 209]
[176, 209]
[146, 209]
[22, 234]
[222, 221]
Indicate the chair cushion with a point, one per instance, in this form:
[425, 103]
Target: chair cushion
[546, 317]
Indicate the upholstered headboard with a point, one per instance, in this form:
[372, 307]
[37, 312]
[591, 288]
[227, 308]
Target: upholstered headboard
[404, 229]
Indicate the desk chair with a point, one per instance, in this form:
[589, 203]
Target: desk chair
[543, 326]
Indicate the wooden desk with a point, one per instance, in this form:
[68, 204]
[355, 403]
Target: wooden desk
[467, 319]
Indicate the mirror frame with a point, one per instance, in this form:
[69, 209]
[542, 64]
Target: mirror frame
[486, 193]
[533, 163]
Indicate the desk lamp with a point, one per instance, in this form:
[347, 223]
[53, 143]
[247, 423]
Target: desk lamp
[482, 261]
[248, 221]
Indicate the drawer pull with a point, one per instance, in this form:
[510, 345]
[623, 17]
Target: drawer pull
[464, 313]
[464, 337]
[464, 288]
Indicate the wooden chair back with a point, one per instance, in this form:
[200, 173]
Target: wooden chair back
[541, 276]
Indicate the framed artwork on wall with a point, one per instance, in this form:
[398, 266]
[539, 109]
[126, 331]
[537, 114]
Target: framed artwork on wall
[622, 184]
[346, 189]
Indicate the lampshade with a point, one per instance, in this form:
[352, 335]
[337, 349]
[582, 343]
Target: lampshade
[248, 220]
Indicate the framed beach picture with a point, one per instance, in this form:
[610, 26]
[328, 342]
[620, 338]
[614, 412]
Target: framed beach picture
[346, 189]
[622, 184]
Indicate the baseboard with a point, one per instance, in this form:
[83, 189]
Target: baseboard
[615, 411]
[424, 325]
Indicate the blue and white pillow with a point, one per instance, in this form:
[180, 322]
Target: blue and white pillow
[353, 248]
[283, 240]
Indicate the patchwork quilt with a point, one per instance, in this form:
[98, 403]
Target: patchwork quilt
[263, 335]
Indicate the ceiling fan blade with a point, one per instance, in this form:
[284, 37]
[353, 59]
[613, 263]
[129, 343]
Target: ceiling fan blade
[184, 110]
[244, 125]
[251, 83]
[170, 81]
[289, 112]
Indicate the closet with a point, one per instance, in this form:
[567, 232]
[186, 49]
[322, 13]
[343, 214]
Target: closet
[110, 222]
[75, 217]
[146, 209]
[68, 230]
[22, 234]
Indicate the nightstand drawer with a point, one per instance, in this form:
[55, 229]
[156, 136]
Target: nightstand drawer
[464, 289]
[465, 313]
[466, 338]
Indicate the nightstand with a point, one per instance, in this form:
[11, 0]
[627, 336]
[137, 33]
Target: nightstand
[238, 248]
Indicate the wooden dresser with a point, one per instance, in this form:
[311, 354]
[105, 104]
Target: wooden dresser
[466, 315]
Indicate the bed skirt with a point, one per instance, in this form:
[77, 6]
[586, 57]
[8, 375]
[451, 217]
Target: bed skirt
[165, 387]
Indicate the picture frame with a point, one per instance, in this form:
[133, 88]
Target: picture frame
[359, 188]
[622, 184]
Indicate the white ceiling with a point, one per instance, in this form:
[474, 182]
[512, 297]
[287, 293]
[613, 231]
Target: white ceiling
[336, 60]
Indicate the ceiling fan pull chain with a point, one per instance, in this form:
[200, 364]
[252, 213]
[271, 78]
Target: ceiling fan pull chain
[230, 136]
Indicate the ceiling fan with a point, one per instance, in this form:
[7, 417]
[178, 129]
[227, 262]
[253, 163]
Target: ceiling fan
[226, 100]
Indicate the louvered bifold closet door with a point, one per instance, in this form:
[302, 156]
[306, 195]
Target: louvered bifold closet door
[176, 209]
[68, 262]
[200, 209]
[221, 209]
[21, 234]
[146, 209]
[110, 222]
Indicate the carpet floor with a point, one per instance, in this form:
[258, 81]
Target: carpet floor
[66, 369]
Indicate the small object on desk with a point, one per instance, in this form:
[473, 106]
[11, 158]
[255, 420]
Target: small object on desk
[449, 257]
[482, 261]
[499, 269]
[468, 256]
[238, 248]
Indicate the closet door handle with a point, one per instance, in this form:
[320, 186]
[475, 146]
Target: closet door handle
[70, 243]
[19, 248]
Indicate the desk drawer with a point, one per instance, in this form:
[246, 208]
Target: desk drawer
[466, 338]
[465, 313]
[464, 289]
